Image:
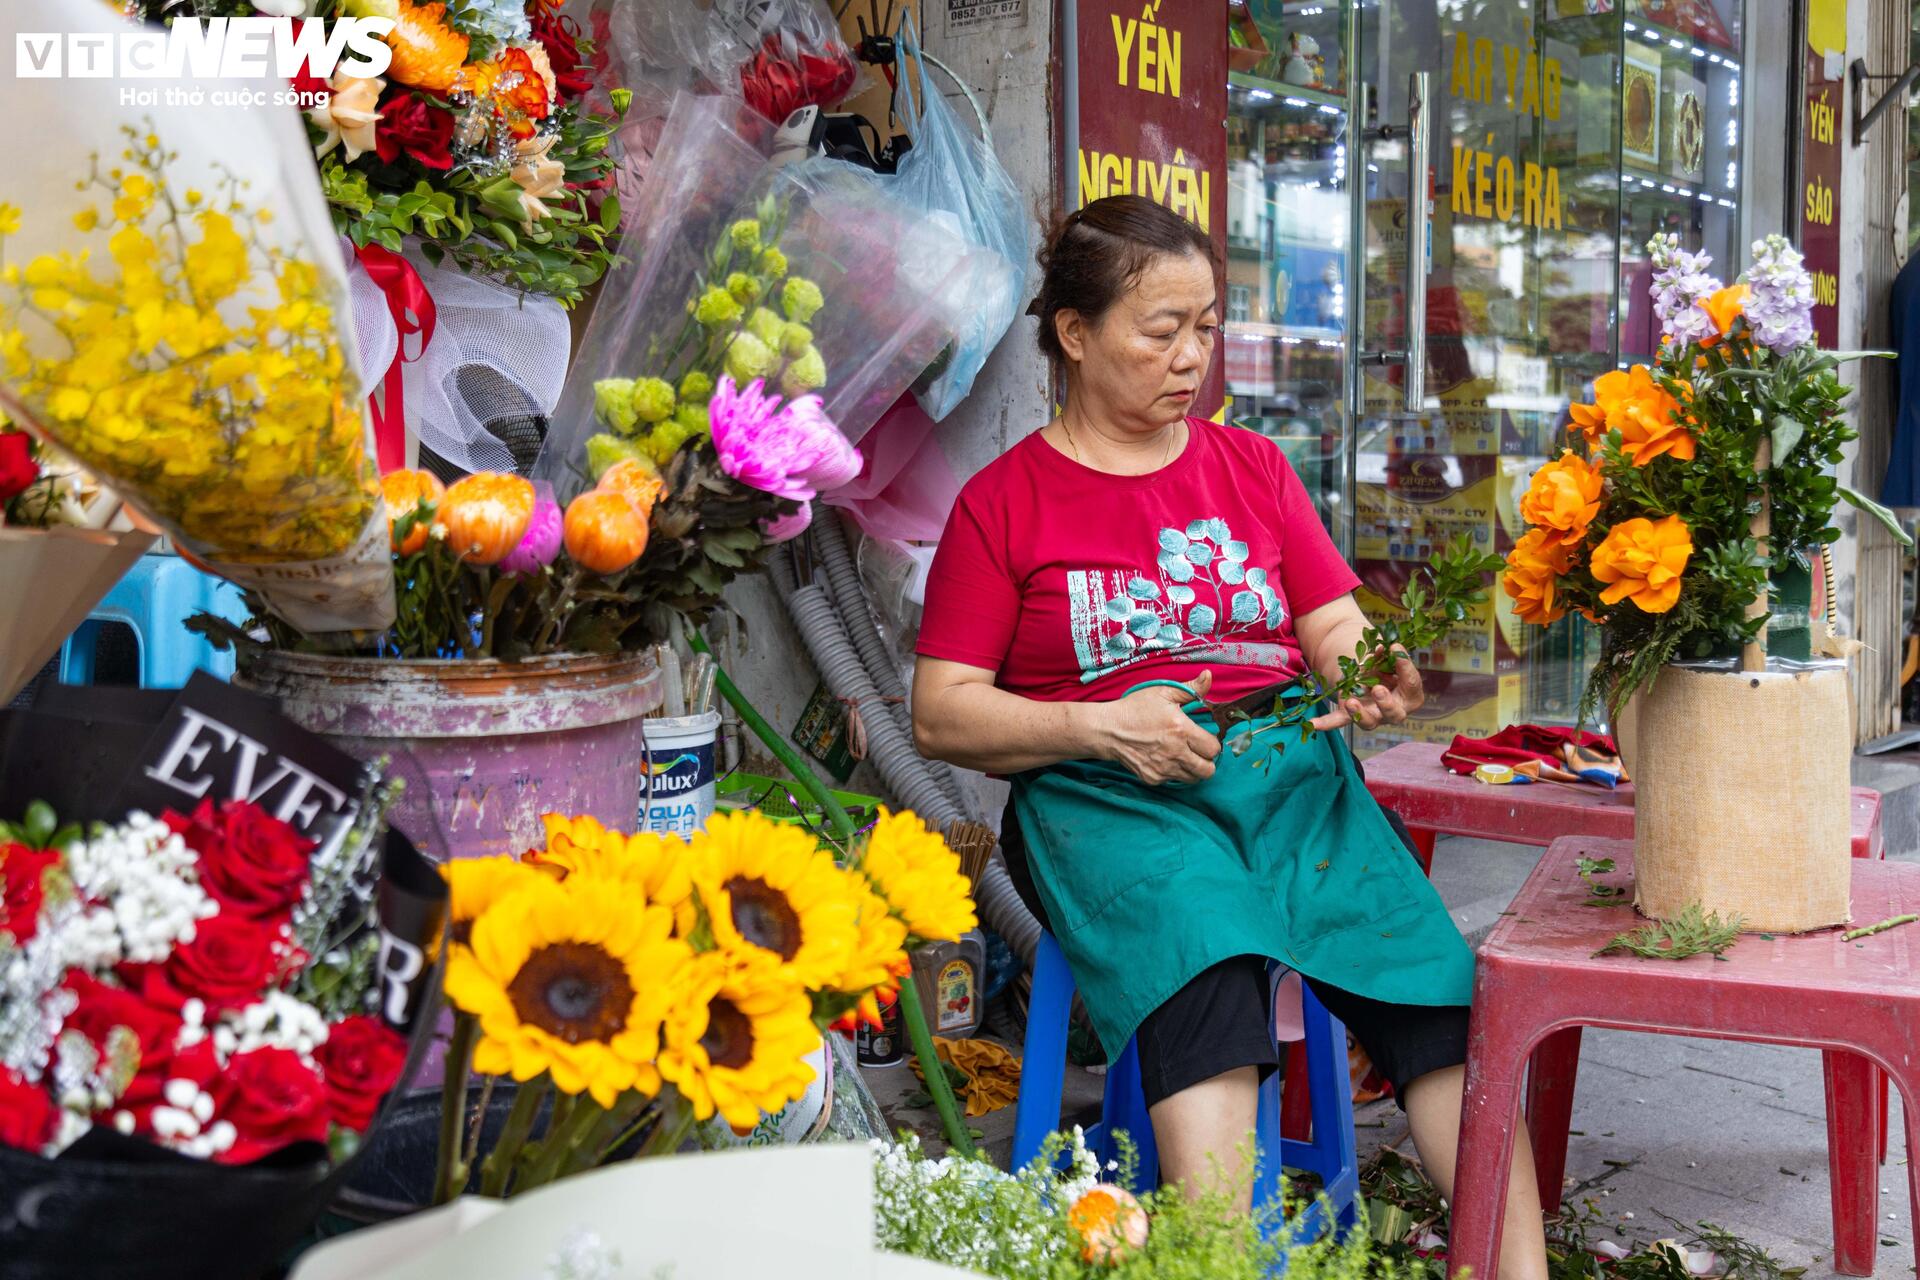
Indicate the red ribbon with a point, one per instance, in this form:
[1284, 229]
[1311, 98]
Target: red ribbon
[411, 307]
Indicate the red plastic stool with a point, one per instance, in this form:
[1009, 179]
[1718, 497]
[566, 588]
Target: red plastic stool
[1538, 983]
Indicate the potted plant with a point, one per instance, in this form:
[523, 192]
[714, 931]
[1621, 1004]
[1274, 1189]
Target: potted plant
[1703, 481]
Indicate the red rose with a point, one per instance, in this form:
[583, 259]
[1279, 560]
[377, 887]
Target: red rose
[18, 470]
[272, 1099]
[250, 862]
[411, 125]
[560, 37]
[362, 1059]
[28, 1118]
[102, 1008]
[230, 961]
[22, 871]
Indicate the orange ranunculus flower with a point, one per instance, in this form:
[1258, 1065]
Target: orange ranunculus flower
[1654, 425]
[486, 515]
[427, 52]
[1564, 497]
[1725, 306]
[1534, 569]
[605, 532]
[404, 491]
[1642, 560]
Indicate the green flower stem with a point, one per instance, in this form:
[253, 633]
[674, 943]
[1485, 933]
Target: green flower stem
[937, 1084]
[616, 1128]
[843, 830]
[565, 1135]
[676, 1121]
[498, 1166]
[450, 1169]
[837, 818]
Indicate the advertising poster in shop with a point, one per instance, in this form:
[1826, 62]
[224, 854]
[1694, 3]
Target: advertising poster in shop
[1152, 97]
[1820, 153]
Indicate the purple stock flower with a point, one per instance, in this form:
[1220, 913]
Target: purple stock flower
[1780, 296]
[1680, 281]
[792, 452]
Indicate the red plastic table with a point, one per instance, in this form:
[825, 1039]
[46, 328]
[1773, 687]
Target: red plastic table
[1410, 780]
[1537, 978]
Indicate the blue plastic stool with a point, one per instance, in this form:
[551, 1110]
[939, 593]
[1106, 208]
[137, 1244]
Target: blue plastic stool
[155, 599]
[1330, 1154]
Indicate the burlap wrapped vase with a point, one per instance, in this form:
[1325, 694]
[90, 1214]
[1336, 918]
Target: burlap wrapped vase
[1743, 805]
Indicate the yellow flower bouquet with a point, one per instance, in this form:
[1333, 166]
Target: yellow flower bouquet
[631, 985]
[1702, 477]
[176, 348]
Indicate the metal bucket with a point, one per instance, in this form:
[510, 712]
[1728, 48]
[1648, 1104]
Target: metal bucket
[485, 747]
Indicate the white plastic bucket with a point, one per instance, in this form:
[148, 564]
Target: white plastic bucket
[677, 785]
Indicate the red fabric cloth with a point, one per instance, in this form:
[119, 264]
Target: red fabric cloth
[1073, 585]
[1523, 744]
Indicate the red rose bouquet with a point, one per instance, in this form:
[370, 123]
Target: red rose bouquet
[192, 980]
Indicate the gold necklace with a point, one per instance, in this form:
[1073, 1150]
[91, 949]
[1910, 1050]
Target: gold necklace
[1165, 454]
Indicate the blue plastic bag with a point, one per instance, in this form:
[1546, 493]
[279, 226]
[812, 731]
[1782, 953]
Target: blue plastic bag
[955, 178]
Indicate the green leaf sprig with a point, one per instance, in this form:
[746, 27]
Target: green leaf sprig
[1435, 601]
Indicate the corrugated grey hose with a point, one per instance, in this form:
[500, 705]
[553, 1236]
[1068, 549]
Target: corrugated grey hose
[851, 597]
[891, 747]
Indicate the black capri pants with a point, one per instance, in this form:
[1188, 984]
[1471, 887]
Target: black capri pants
[1221, 1020]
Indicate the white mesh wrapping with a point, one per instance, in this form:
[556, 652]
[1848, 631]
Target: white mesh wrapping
[373, 328]
[495, 354]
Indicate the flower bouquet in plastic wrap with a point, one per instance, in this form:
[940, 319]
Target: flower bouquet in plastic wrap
[172, 317]
[768, 317]
[55, 548]
[216, 963]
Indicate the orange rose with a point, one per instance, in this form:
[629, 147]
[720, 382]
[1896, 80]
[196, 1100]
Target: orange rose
[427, 53]
[486, 515]
[638, 481]
[404, 491]
[605, 532]
[1725, 306]
[1654, 425]
[1590, 421]
[1642, 561]
[1564, 497]
[1534, 569]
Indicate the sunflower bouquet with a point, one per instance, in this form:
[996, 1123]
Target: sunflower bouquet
[1700, 476]
[196, 365]
[631, 985]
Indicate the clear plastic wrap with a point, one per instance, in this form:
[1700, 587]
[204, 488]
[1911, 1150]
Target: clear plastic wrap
[807, 276]
[175, 315]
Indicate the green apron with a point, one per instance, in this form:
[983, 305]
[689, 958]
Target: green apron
[1147, 886]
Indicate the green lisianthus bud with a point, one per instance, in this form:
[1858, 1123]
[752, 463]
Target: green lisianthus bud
[766, 326]
[795, 339]
[716, 308]
[695, 388]
[652, 400]
[603, 450]
[800, 298]
[613, 401]
[746, 235]
[749, 358]
[742, 287]
[807, 373]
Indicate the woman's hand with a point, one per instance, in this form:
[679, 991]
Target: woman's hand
[1388, 703]
[1148, 733]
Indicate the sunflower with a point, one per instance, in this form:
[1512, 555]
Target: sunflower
[657, 865]
[737, 1039]
[573, 980]
[474, 885]
[878, 959]
[772, 893]
[919, 876]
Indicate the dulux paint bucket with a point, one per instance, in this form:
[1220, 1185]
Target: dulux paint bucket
[677, 773]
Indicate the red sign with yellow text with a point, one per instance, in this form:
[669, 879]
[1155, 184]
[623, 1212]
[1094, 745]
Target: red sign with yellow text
[1820, 154]
[1152, 95]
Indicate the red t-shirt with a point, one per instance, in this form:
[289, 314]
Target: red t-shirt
[1074, 585]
